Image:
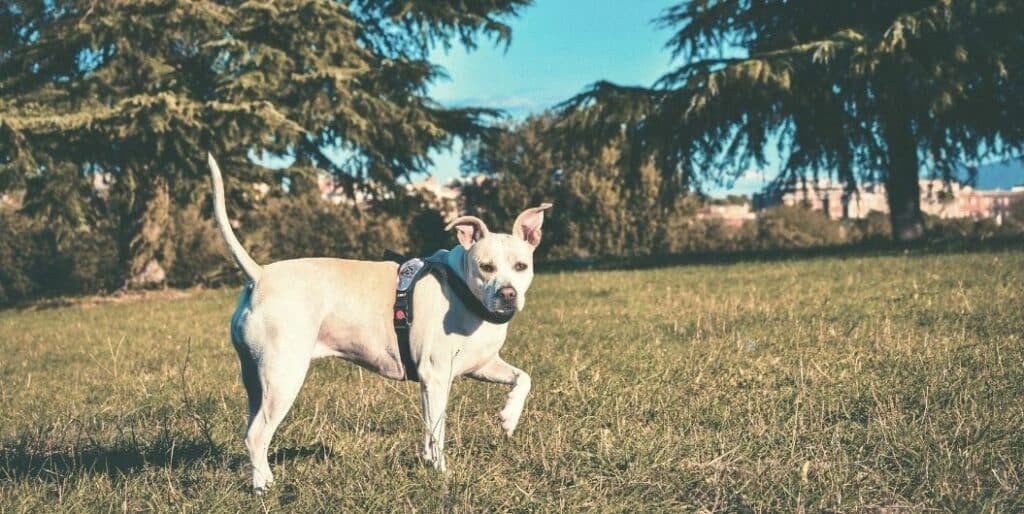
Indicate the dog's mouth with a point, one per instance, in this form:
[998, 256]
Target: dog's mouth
[503, 308]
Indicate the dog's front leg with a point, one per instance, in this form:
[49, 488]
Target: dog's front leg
[434, 396]
[500, 372]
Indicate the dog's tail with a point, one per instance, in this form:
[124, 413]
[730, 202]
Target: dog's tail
[220, 212]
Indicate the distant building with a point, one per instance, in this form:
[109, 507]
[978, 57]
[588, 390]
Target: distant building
[731, 215]
[101, 183]
[989, 204]
[445, 198]
[938, 198]
[10, 201]
[334, 193]
[831, 197]
[261, 190]
[942, 199]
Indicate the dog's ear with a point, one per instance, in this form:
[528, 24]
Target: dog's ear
[527, 226]
[471, 229]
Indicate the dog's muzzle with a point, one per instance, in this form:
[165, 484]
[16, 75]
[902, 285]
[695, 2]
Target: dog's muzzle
[506, 300]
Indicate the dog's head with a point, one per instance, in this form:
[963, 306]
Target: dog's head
[498, 268]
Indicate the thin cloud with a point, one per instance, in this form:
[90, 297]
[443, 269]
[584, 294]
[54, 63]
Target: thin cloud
[510, 103]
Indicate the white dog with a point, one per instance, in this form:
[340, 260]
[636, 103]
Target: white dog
[293, 311]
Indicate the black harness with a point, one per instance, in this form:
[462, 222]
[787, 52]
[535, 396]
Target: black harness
[410, 271]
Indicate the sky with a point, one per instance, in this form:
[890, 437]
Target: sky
[558, 48]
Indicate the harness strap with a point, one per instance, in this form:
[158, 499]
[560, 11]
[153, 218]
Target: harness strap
[409, 272]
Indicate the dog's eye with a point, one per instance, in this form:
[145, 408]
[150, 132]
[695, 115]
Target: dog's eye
[521, 266]
[487, 268]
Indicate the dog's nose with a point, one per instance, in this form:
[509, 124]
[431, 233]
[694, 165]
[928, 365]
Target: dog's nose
[507, 293]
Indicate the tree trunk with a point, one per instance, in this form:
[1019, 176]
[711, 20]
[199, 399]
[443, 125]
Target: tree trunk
[901, 177]
[145, 250]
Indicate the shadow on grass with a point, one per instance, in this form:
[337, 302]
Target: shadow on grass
[319, 452]
[20, 462]
[28, 462]
[878, 248]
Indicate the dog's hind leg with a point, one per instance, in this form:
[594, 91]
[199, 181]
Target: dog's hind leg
[280, 379]
[250, 371]
[250, 379]
[500, 372]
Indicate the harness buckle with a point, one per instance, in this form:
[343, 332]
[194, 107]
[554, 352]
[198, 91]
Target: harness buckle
[401, 318]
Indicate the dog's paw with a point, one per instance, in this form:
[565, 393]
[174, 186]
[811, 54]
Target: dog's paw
[259, 489]
[509, 420]
[439, 465]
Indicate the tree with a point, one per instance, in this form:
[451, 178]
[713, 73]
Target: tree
[603, 207]
[134, 94]
[858, 89]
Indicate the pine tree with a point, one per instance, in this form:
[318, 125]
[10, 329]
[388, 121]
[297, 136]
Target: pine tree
[877, 90]
[136, 92]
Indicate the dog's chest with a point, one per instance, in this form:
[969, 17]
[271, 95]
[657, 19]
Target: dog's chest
[479, 350]
[461, 352]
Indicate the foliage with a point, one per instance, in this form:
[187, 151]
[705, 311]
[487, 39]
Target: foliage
[818, 385]
[200, 256]
[876, 90]
[292, 227]
[423, 226]
[965, 228]
[874, 227]
[797, 227]
[36, 260]
[17, 256]
[137, 92]
[1015, 216]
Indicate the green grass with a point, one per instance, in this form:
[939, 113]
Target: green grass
[866, 383]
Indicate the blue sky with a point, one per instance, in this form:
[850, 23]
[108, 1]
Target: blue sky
[558, 48]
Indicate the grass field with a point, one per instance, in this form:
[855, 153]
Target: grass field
[861, 384]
